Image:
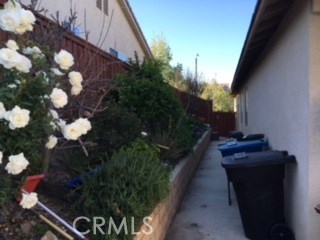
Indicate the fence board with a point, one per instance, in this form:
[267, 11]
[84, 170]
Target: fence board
[196, 106]
[82, 51]
[223, 122]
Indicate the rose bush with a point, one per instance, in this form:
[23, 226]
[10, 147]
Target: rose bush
[34, 89]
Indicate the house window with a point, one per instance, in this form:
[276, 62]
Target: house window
[106, 7]
[99, 4]
[103, 5]
[246, 107]
[240, 108]
[114, 52]
[66, 25]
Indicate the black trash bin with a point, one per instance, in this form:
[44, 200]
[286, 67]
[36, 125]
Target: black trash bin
[257, 179]
[236, 134]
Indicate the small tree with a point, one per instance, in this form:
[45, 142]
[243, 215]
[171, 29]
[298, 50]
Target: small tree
[220, 95]
[162, 53]
[194, 86]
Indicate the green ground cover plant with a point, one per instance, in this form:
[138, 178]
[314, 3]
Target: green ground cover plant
[129, 186]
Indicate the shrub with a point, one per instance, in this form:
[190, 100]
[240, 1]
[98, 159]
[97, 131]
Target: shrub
[115, 127]
[144, 92]
[129, 185]
[170, 151]
[178, 139]
[112, 129]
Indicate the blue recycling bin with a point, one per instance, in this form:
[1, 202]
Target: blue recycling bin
[231, 147]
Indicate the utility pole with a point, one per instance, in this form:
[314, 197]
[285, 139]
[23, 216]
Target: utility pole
[196, 67]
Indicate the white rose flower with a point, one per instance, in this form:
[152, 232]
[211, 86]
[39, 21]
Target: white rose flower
[72, 131]
[29, 200]
[27, 19]
[64, 59]
[15, 19]
[24, 64]
[1, 156]
[11, 44]
[59, 98]
[75, 78]
[35, 52]
[2, 110]
[9, 20]
[10, 58]
[75, 90]
[56, 72]
[75, 129]
[16, 164]
[85, 125]
[52, 141]
[17, 117]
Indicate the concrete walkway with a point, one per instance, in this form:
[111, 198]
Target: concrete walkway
[204, 213]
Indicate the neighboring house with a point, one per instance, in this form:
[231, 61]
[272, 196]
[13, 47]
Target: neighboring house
[277, 84]
[111, 24]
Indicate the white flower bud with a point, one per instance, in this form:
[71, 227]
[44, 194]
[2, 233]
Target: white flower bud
[52, 141]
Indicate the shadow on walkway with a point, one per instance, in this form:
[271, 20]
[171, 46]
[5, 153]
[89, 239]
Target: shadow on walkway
[204, 213]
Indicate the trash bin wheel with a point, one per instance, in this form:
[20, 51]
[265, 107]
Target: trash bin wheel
[281, 231]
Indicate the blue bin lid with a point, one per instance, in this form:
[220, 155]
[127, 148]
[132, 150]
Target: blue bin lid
[256, 159]
[230, 145]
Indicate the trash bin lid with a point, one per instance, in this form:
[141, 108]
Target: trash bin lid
[229, 145]
[255, 159]
[251, 137]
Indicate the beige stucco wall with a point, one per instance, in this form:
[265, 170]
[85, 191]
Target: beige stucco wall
[120, 36]
[284, 103]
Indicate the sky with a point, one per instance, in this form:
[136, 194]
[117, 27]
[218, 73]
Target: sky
[213, 29]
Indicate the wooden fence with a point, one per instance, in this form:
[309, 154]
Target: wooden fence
[193, 105]
[223, 122]
[90, 60]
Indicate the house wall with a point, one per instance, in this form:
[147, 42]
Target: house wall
[282, 98]
[120, 36]
[314, 128]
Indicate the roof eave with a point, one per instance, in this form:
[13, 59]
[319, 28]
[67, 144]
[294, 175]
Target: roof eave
[135, 27]
[266, 18]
